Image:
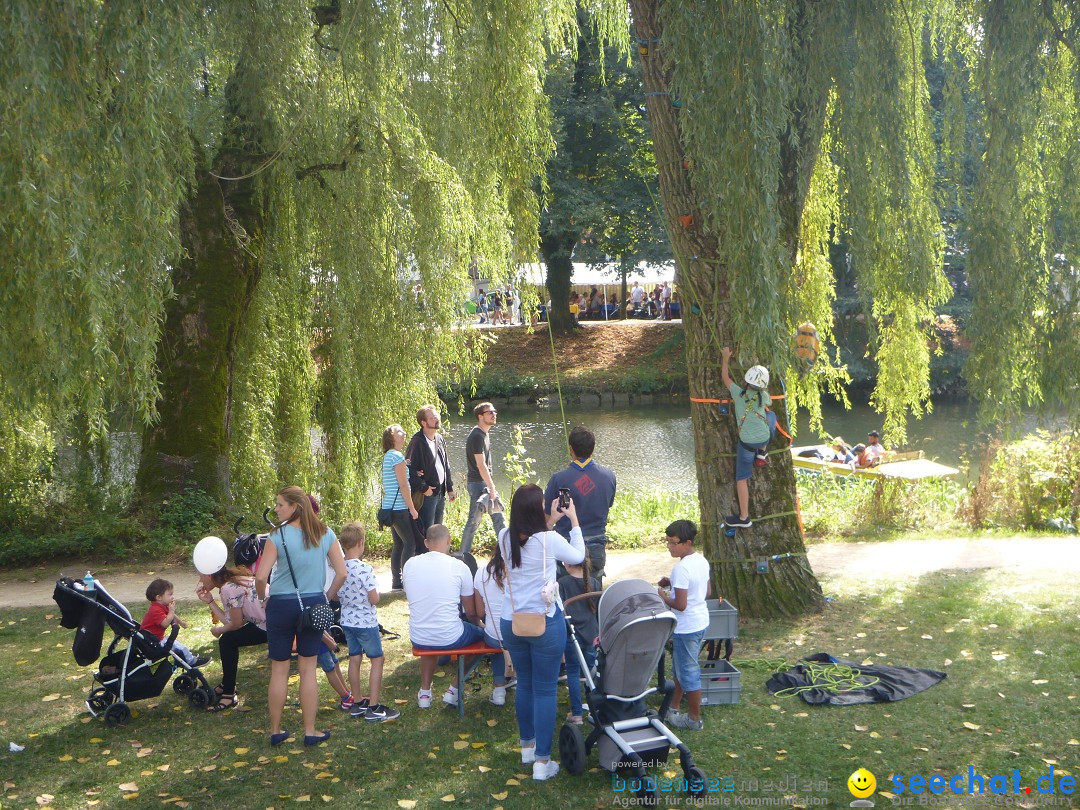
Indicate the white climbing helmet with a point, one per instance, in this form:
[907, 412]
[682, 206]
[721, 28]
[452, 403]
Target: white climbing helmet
[757, 377]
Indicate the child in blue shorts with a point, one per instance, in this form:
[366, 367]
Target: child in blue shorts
[685, 593]
[359, 621]
[757, 425]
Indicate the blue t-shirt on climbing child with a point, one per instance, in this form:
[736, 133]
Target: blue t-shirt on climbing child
[750, 414]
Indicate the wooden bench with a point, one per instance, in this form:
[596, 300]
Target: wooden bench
[460, 653]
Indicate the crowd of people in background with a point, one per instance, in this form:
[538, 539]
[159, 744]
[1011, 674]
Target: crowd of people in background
[505, 308]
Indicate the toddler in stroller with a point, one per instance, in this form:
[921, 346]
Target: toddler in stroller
[635, 625]
[136, 665]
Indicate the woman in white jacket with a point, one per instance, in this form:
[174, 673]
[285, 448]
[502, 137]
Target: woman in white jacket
[530, 549]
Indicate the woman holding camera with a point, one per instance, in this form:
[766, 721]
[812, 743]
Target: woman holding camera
[530, 548]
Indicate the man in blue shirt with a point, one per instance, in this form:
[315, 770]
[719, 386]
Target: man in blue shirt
[592, 486]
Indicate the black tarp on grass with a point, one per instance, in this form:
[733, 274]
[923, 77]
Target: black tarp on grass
[893, 683]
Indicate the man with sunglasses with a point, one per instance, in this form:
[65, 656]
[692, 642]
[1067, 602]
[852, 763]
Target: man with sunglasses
[478, 460]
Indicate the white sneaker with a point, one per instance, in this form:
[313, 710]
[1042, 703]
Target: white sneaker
[542, 771]
[423, 699]
[498, 695]
[450, 696]
[528, 755]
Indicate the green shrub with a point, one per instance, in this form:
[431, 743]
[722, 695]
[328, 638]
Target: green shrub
[1028, 483]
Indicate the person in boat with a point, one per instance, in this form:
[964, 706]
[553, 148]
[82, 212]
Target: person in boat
[875, 451]
[841, 452]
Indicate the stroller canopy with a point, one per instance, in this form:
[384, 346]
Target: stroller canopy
[635, 625]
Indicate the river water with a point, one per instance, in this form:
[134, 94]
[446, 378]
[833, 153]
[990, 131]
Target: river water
[652, 447]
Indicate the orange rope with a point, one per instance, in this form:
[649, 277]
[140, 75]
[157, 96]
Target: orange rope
[722, 401]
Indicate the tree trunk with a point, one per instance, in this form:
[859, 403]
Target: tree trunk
[188, 446]
[790, 587]
[556, 250]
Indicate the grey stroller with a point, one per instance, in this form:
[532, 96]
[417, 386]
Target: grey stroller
[635, 626]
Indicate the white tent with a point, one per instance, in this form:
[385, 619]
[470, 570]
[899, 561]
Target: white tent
[605, 274]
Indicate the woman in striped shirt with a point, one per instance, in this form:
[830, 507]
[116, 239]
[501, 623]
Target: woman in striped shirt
[397, 497]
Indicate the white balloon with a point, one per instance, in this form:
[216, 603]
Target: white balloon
[210, 555]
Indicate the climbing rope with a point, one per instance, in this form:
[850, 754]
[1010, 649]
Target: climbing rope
[833, 678]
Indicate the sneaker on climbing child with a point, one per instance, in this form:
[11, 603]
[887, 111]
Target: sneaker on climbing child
[761, 459]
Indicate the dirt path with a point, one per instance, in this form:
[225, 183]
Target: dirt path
[1052, 558]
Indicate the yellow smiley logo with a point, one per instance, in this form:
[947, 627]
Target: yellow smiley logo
[861, 783]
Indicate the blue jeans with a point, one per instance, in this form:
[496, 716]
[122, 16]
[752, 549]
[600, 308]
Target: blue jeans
[498, 662]
[431, 512]
[536, 660]
[573, 670]
[498, 521]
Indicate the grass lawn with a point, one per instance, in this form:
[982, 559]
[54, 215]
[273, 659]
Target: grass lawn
[1008, 644]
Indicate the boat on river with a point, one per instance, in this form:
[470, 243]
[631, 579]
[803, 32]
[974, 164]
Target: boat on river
[910, 465]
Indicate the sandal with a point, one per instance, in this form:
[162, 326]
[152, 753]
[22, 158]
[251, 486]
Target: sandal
[219, 690]
[224, 702]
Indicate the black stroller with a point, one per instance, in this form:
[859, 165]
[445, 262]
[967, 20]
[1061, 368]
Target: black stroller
[635, 626]
[138, 670]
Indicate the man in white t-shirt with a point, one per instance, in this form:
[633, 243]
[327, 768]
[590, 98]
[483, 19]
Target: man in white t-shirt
[436, 585]
[637, 295]
[685, 593]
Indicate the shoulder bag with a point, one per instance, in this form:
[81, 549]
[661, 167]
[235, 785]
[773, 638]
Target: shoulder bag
[386, 514]
[527, 625]
[312, 617]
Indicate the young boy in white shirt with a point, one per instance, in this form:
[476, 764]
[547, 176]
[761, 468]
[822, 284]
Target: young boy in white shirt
[360, 622]
[685, 593]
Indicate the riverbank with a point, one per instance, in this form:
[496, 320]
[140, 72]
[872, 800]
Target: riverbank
[617, 362]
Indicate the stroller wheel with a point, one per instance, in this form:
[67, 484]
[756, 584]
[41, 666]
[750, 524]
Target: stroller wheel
[572, 749]
[199, 697]
[183, 684]
[697, 782]
[99, 700]
[117, 715]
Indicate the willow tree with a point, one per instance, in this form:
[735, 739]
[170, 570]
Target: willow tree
[214, 215]
[773, 122]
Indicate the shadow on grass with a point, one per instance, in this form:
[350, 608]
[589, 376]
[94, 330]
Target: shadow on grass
[1007, 644]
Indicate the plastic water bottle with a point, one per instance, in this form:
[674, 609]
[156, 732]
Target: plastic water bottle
[88, 582]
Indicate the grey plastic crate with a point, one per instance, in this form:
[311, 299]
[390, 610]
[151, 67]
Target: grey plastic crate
[723, 620]
[720, 683]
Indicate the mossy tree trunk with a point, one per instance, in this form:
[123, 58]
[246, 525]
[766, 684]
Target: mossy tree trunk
[188, 446]
[790, 587]
[557, 250]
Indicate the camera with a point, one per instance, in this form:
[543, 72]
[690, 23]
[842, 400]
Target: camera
[564, 497]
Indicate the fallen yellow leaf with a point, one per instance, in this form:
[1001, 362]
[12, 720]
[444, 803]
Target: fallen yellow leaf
[500, 796]
[112, 762]
[130, 787]
[281, 758]
[972, 726]
[48, 698]
[406, 804]
[512, 782]
[492, 723]
[459, 744]
[479, 744]
[66, 758]
[449, 797]
[241, 751]
[483, 768]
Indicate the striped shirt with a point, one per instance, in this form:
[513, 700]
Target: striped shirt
[393, 497]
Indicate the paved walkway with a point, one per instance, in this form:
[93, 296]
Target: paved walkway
[896, 559]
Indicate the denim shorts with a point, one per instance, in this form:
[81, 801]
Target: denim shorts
[363, 641]
[327, 660]
[470, 635]
[282, 613]
[685, 648]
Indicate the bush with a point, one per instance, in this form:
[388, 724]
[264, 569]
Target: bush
[1031, 483]
[851, 505]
